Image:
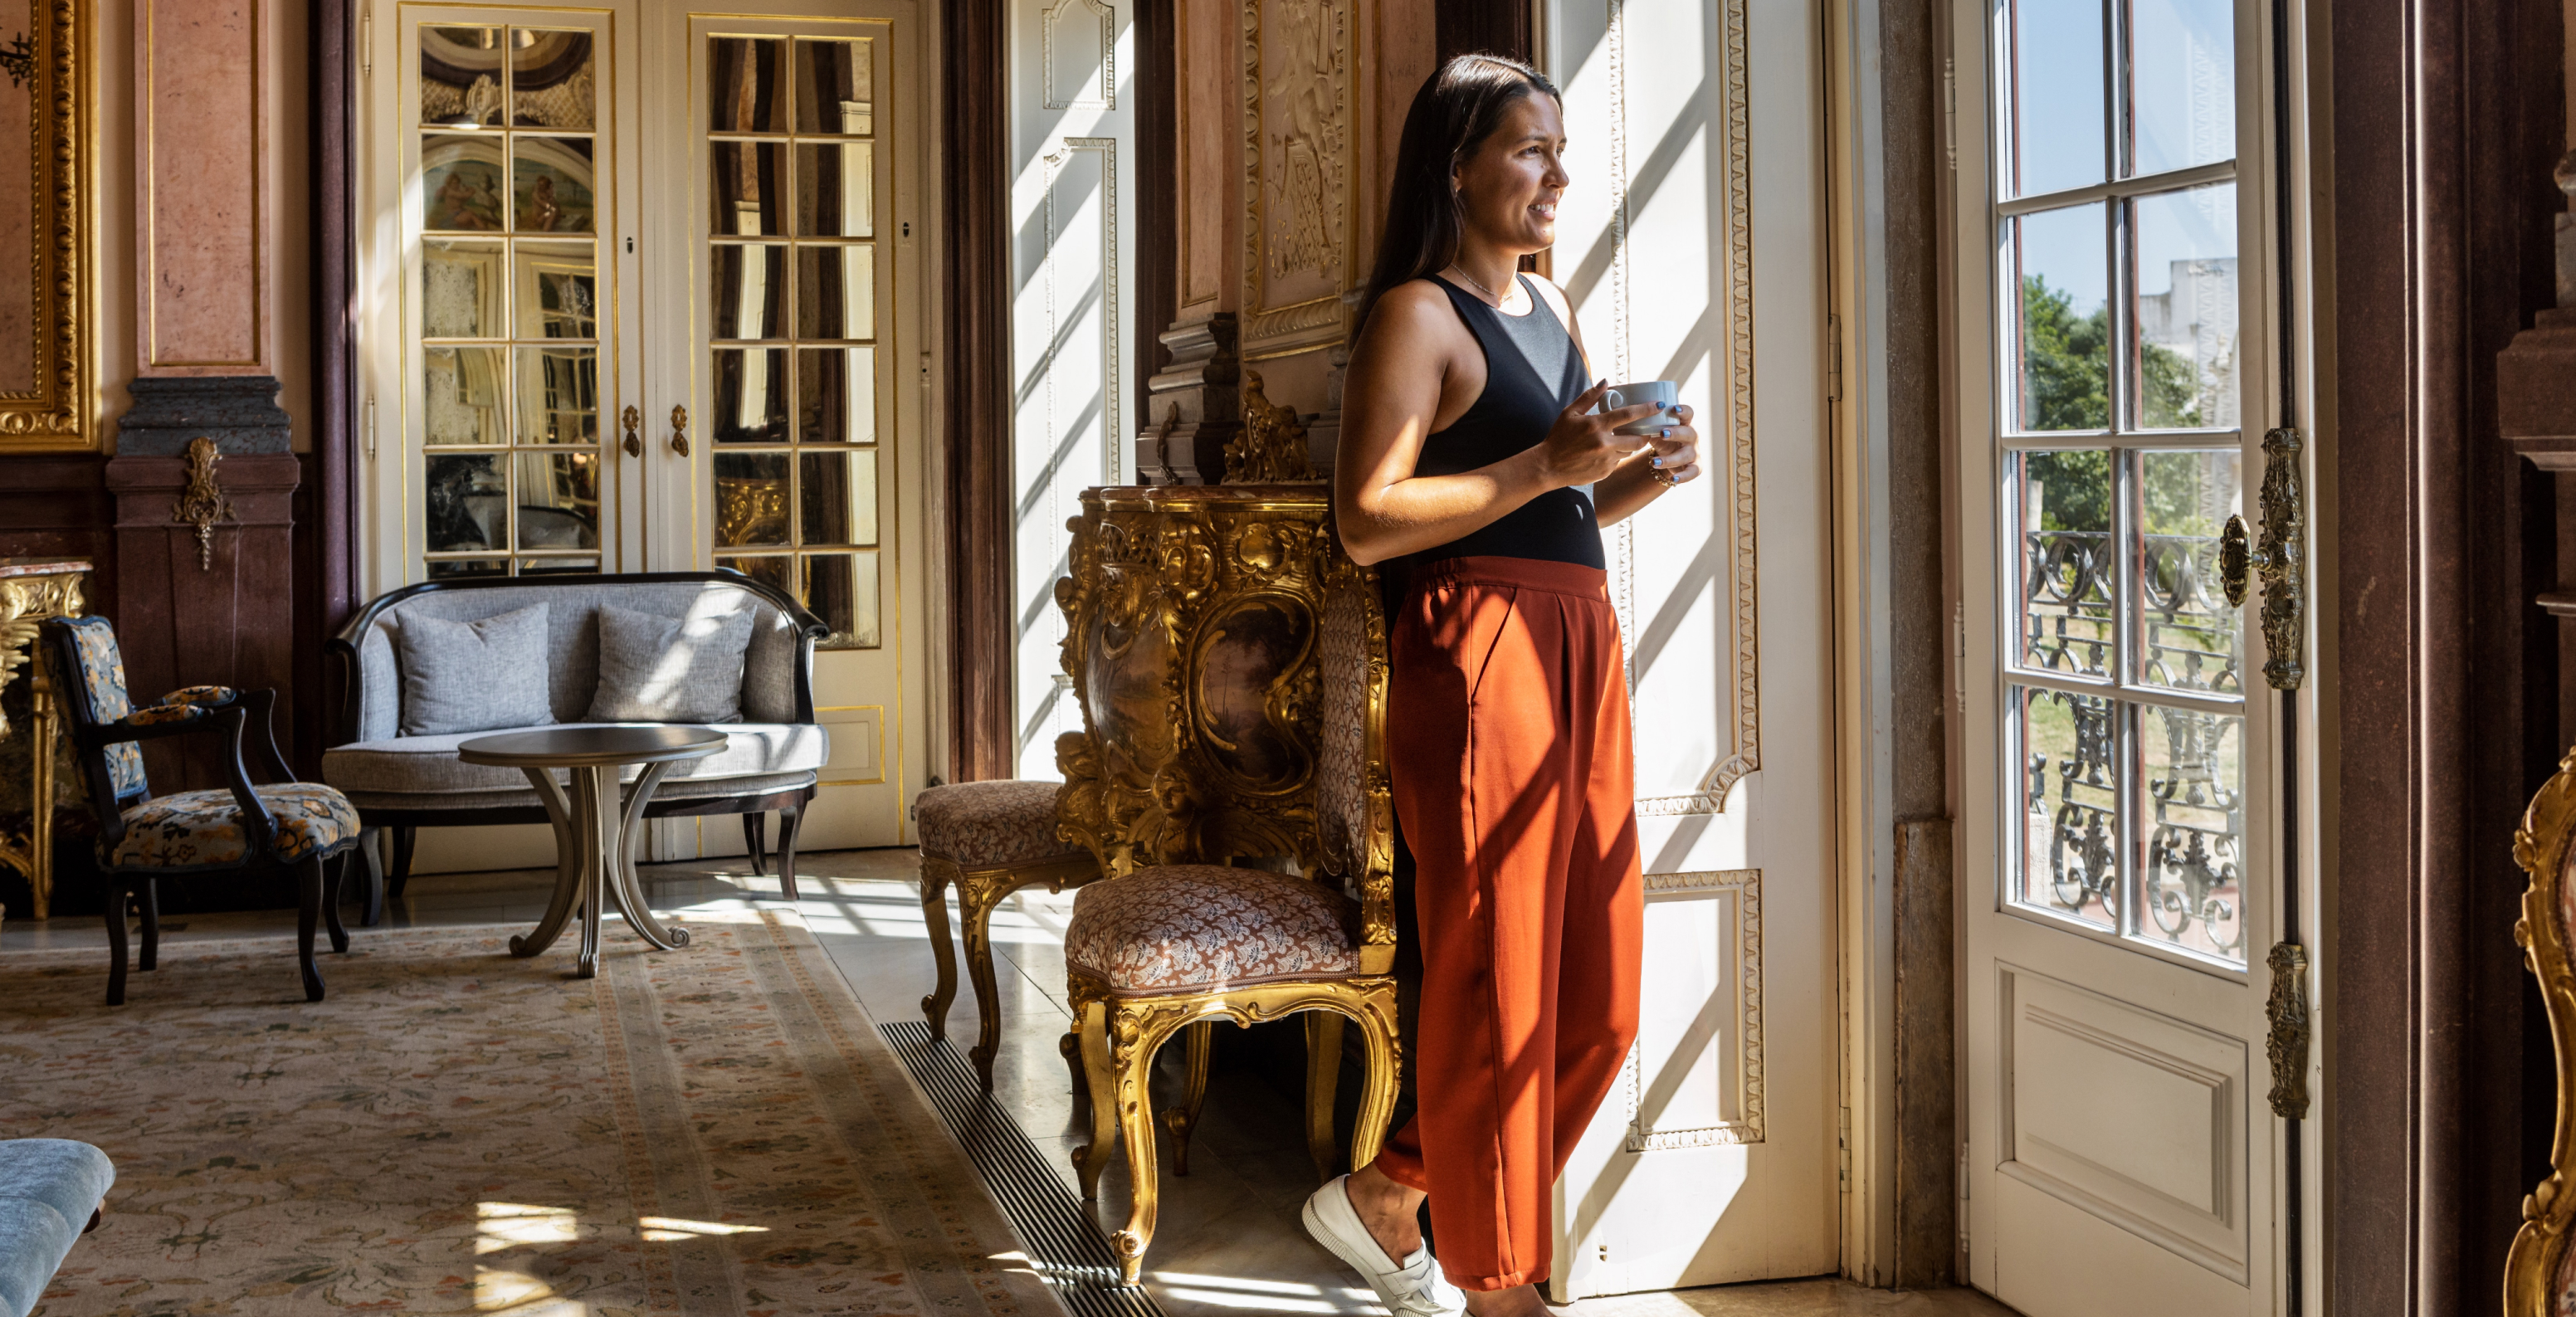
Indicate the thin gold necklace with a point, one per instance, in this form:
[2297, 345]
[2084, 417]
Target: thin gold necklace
[1480, 287]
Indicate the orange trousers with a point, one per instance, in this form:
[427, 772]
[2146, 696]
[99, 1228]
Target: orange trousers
[1508, 741]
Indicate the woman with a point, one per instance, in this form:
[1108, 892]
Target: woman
[1473, 455]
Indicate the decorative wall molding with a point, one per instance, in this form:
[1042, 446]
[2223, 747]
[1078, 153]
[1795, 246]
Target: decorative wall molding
[1091, 16]
[1299, 256]
[1742, 890]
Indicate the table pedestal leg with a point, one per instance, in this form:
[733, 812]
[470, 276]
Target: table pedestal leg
[594, 794]
[622, 876]
[567, 892]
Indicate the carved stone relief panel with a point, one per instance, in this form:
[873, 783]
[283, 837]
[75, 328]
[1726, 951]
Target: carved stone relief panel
[1299, 58]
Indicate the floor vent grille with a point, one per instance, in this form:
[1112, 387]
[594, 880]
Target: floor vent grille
[1071, 1255]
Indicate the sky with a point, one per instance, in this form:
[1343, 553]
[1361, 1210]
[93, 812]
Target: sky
[2182, 63]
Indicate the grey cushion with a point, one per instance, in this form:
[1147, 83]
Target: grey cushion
[416, 765]
[48, 1189]
[572, 641]
[669, 669]
[474, 676]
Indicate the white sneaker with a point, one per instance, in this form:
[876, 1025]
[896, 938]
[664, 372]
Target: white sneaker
[1414, 1289]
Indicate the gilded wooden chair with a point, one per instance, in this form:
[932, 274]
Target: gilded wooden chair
[988, 840]
[144, 838]
[1231, 667]
[2540, 1269]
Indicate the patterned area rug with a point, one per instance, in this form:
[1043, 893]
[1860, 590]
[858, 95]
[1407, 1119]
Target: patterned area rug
[716, 1130]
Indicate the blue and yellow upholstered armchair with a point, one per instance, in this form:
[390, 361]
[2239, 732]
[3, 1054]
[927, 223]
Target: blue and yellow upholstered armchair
[144, 838]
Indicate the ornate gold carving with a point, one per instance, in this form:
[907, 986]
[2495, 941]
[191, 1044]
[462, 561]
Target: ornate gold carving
[2287, 1043]
[2541, 847]
[46, 407]
[202, 503]
[630, 419]
[1120, 1035]
[1190, 616]
[680, 430]
[1298, 57]
[979, 893]
[25, 602]
[1272, 445]
[750, 511]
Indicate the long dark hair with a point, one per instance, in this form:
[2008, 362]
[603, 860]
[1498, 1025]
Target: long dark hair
[1456, 110]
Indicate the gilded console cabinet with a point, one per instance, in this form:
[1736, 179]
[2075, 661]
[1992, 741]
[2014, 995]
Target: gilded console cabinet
[32, 590]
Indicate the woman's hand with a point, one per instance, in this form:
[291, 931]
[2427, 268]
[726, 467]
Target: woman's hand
[1672, 458]
[1584, 447]
[1676, 452]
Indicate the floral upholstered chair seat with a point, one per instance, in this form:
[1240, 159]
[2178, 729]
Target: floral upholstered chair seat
[203, 829]
[1204, 927]
[985, 825]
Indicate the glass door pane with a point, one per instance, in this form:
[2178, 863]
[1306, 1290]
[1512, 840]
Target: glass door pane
[793, 286]
[506, 203]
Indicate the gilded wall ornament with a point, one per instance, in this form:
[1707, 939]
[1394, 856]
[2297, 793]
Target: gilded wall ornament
[2541, 846]
[202, 503]
[1272, 444]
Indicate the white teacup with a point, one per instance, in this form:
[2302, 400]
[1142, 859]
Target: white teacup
[1663, 393]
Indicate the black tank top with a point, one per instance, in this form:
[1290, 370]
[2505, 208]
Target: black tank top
[1531, 373]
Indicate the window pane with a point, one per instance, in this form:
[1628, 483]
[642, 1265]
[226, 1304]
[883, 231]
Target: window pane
[778, 570]
[2059, 263]
[835, 189]
[559, 395]
[461, 400]
[837, 497]
[2185, 340]
[748, 180]
[748, 289]
[465, 502]
[2061, 503]
[558, 290]
[2182, 84]
[550, 180]
[837, 395]
[445, 568]
[460, 183]
[2188, 636]
[558, 500]
[2068, 762]
[552, 81]
[461, 288]
[836, 292]
[743, 85]
[832, 86]
[551, 566]
[2054, 136]
[2195, 776]
[460, 76]
[750, 396]
[751, 499]
[841, 588]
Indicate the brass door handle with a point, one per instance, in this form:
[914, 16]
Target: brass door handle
[631, 419]
[680, 431]
[2279, 557]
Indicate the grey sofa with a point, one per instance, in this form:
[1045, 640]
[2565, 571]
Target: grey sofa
[403, 783]
[50, 1195]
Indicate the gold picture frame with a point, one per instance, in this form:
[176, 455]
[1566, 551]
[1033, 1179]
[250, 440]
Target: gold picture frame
[2537, 1267]
[44, 234]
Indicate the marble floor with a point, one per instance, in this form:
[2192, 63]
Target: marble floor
[1229, 1240]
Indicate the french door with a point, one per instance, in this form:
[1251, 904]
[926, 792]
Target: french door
[2122, 820]
[636, 278]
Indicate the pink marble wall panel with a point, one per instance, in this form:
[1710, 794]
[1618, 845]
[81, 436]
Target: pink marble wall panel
[203, 295]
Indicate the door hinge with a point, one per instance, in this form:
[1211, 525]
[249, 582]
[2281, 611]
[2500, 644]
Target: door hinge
[1950, 107]
[1833, 358]
[1964, 1195]
[1959, 653]
[1842, 1148]
[371, 429]
[367, 41]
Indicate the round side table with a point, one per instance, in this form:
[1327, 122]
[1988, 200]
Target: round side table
[595, 833]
